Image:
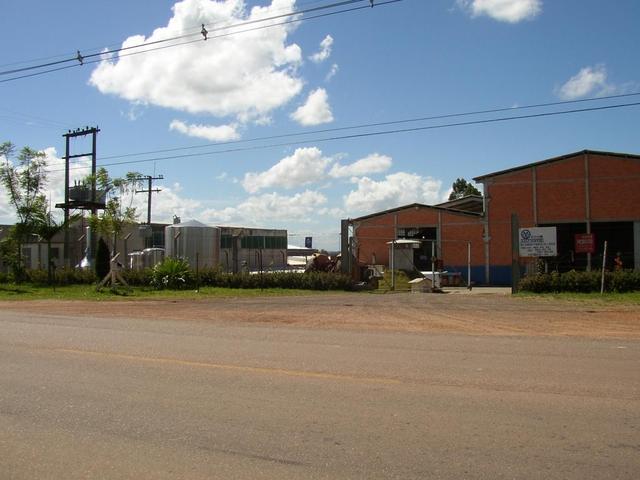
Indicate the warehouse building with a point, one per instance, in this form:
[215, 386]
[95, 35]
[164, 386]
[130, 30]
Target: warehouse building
[589, 197]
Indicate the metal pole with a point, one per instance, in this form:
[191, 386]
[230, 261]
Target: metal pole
[469, 265]
[433, 265]
[604, 263]
[393, 265]
[515, 252]
[66, 203]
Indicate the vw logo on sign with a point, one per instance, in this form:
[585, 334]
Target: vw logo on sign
[525, 234]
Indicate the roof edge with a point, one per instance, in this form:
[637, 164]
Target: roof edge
[557, 159]
[415, 205]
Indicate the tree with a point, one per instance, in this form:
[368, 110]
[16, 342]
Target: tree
[24, 184]
[46, 228]
[116, 216]
[462, 188]
[103, 259]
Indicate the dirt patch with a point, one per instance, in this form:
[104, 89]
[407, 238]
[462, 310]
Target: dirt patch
[464, 314]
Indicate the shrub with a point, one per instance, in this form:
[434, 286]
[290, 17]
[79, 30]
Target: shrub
[172, 273]
[581, 282]
[103, 259]
[285, 280]
[137, 278]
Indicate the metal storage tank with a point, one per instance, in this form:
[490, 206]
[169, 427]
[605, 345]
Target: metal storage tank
[193, 239]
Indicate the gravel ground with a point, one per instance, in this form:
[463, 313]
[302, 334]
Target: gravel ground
[483, 312]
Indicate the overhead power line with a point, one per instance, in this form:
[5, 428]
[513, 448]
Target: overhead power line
[202, 34]
[377, 124]
[378, 133]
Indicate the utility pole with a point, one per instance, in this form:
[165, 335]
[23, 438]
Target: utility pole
[149, 190]
[79, 201]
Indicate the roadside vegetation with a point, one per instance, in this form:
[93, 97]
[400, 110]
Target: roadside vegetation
[25, 292]
[582, 282]
[627, 298]
[171, 278]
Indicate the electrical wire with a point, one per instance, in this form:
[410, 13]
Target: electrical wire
[372, 134]
[378, 124]
[77, 62]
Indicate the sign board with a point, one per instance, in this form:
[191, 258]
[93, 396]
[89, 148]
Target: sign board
[538, 242]
[585, 243]
[308, 242]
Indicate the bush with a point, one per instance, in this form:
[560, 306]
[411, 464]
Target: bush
[138, 278]
[285, 280]
[581, 282]
[172, 273]
[103, 259]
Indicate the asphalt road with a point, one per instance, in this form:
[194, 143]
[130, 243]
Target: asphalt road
[91, 398]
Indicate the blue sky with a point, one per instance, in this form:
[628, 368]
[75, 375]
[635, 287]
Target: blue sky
[410, 59]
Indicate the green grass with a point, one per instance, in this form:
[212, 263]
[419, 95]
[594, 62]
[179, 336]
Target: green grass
[88, 292]
[629, 298]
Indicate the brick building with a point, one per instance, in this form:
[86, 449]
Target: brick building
[583, 192]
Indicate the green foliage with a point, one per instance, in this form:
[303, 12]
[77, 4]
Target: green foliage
[10, 251]
[137, 278]
[582, 282]
[118, 212]
[103, 259]
[24, 179]
[63, 276]
[172, 273]
[24, 182]
[285, 280]
[462, 188]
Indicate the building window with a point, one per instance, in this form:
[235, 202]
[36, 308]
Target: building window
[275, 243]
[158, 238]
[417, 233]
[226, 241]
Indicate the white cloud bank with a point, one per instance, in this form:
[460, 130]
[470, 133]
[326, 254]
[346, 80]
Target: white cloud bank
[315, 111]
[213, 133]
[510, 11]
[395, 190]
[305, 166]
[374, 163]
[589, 81]
[245, 76]
[308, 166]
[325, 50]
[269, 207]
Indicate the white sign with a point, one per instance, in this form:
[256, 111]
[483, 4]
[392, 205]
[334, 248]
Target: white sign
[538, 242]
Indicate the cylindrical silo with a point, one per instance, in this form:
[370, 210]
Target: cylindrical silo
[193, 240]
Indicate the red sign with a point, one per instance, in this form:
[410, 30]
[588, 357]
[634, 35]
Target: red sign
[585, 243]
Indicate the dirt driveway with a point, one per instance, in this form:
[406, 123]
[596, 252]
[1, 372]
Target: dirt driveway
[477, 314]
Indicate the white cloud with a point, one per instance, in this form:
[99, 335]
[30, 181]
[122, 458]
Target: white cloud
[589, 81]
[209, 132]
[332, 73]
[245, 75]
[315, 111]
[374, 163]
[395, 190]
[305, 166]
[324, 52]
[269, 207]
[510, 11]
